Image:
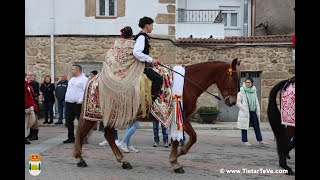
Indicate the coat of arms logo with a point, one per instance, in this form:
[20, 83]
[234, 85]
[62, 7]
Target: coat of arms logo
[34, 164]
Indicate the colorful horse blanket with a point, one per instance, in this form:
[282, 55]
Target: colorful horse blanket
[288, 105]
[91, 104]
[162, 107]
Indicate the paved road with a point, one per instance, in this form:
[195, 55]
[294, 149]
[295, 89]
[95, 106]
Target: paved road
[214, 150]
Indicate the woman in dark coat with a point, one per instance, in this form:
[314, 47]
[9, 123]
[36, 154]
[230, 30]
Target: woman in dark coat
[47, 89]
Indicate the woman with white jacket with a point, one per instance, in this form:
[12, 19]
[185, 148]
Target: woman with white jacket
[249, 111]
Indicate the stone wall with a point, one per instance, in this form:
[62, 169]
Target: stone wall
[274, 62]
[67, 51]
[279, 15]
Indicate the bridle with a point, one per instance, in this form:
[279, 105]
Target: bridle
[230, 72]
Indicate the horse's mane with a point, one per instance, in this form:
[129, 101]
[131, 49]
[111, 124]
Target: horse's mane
[199, 66]
[209, 62]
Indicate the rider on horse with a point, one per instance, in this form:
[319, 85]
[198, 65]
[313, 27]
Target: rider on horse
[141, 52]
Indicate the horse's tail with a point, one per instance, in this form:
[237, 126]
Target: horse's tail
[77, 150]
[274, 114]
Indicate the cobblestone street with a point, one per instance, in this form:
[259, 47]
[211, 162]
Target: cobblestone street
[214, 150]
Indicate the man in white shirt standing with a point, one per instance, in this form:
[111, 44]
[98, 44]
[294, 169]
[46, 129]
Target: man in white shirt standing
[74, 98]
[141, 51]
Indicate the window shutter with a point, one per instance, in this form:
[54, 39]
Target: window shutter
[90, 8]
[121, 8]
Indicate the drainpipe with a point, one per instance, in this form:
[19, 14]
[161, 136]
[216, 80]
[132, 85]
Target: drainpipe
[52, 50]
[254, 16]
[245, 18]
[52, 42]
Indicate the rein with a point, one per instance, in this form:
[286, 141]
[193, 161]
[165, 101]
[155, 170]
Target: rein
[191, 82]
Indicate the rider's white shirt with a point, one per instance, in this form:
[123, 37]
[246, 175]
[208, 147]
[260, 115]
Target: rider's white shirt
[138, 48]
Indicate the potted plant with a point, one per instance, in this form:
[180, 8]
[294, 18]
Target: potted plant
[208, 115]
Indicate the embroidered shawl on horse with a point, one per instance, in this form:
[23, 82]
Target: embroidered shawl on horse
[113, 95]
[119, 84]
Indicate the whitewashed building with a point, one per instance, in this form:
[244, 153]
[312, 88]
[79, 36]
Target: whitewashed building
[181, 18]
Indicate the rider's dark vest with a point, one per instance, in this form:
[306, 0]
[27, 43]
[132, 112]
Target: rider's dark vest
[146, 42]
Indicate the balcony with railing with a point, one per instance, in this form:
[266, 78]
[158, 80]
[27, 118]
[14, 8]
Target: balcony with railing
[200, 23]
[200, 16]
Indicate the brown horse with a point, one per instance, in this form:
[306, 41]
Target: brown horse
[224, 74]
[282, 134]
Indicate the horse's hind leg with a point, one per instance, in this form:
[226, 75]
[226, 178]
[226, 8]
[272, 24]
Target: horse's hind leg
[109, 135]
[81, 135]
[283, 152]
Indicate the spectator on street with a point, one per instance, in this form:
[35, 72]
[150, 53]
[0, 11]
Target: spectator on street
[60, 93]
[74, 98]
[29, 107]
[156, 135]
[125, 144]
[249, 111]
[47, 89]
[34, 130]
[93, 73]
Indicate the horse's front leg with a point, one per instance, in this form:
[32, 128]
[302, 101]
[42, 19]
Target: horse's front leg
[192, 139]
[109, 135]
[174, 158]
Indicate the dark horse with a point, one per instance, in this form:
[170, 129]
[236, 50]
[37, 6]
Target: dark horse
[224, 74]
[282, 134]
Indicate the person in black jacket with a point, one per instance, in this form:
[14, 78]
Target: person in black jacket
[60, 93]
[47, 89]
[93, 74]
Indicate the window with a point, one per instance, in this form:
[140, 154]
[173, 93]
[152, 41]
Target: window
[234, 19]
[253, 74]
[106, 8]
[87, 67]
[230, 16]
[224, 19]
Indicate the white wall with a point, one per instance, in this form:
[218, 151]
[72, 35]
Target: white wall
[216, 4]
[205, 4]
[70, 18]
[199, 30]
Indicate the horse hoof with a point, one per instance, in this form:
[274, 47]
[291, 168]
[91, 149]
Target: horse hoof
[82, 164]
[126, 166]
[179, 170]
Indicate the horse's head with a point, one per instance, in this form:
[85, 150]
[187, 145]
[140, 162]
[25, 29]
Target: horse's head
[229, 82]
